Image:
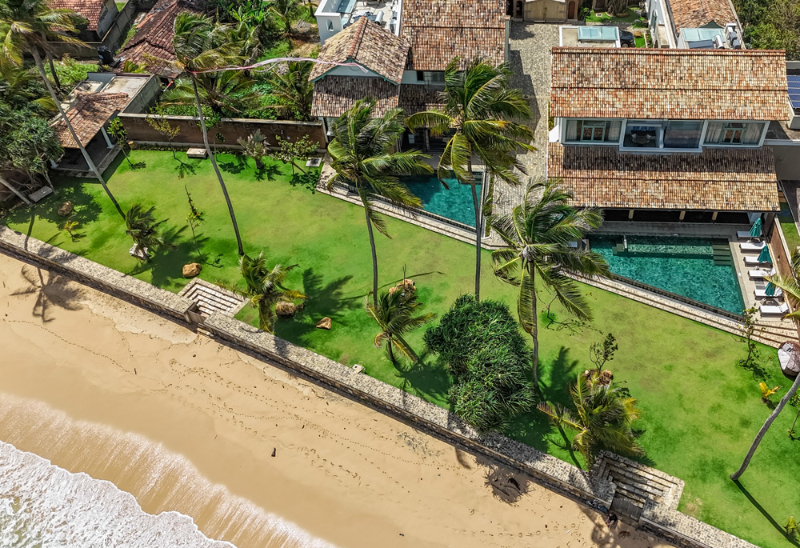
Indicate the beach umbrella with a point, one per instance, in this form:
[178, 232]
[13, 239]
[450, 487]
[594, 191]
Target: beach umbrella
[770, 289]
[755, 230]
[764, 257]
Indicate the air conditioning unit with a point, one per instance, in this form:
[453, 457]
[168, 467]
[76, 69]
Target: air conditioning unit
[718, 43]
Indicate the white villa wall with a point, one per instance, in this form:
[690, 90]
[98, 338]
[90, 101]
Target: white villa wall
[329, 22]
[107, 17]
[658, 8]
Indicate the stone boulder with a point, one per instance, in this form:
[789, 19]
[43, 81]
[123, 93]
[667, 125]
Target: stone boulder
[65, 209]
[285, 310]
[191, 270]
[325, 323]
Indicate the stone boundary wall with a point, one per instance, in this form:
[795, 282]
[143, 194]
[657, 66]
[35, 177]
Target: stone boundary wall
[659, 519]
[95, 275]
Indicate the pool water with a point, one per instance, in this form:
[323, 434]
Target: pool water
[454, 204]
[697, 268]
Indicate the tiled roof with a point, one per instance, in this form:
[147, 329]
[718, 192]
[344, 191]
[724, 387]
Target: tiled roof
[333, 95]
[438, 30]
[90, 9]
[151, 46]
[718, 179]
[691, 14]
[90, 112]
[669, 83]
[369, 45]
[414, 98]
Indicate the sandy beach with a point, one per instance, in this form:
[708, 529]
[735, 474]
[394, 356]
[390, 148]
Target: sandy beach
[185, 424]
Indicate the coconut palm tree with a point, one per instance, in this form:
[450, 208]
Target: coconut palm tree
[29, 26]
[293, 88]
[142, 227]
[287, 11]
[199, 45]
[396, 315]
[603, 419]
[361, 157]
[224, 91]
[264, 288]
[537, 235]
[483, 114]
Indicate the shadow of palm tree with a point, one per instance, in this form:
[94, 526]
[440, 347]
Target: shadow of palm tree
[428, 379]
[50, 289]
[270, 172]
[236, 165]
[505, 483]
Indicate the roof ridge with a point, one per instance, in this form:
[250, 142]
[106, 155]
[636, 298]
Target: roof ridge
[359, 36]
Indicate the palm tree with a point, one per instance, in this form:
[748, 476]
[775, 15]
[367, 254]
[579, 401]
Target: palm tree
[361, 157]
[603, 419]
[28, 26]
[287, 11]
[293, 88]
[264, 288]
[395, 315]
[229, 90]
[200, 45]
[537, 235]
[482, 112]
[145, 230]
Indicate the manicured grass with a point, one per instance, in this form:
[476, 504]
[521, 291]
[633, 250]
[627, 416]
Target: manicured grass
[603, 17]
[700, 409]
[788, 227]
[640, 41]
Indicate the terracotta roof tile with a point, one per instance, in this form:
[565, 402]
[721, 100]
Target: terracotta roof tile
[333, 95]
[89, 113]
[415, 99]
[718, 179]
[438, 30]
[369, 45]
[691, 14]
[90, 9]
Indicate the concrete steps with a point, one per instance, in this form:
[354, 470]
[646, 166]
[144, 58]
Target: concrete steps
[211, 298]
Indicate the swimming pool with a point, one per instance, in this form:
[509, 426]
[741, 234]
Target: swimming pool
[454, 204]
[700, 269]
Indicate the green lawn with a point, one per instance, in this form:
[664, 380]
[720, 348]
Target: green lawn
[701, 410]
[788, 227]
[603, 17]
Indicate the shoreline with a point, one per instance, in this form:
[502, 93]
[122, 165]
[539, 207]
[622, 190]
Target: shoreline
[171, 417]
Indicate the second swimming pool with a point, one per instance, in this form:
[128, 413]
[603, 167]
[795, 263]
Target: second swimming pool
[454, 204]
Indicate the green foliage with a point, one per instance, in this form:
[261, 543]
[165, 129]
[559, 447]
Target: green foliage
[293, 89]
[481, 345]
[145, 231]
[255, 146]
[264, 288]
[71, 72]
[300, 149]
[70, 227]
[773, 24]
[791, 527]
[30, 144]
[602, 353]
[397, 314]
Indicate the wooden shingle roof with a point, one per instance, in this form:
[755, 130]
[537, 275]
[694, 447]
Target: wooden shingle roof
[678, 84]
[415, 99]
[333, 95]
[369, 45]
[439, 30]
[718, 179]
[89, 113]
[90, 9]
[691, 14]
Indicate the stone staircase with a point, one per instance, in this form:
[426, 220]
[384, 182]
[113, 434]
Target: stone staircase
[211, 298]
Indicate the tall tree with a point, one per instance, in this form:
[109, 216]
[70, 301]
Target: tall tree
[362, 157]
[537, 235]
[483, 114]
[200, 45]
[287, 11]
[264, 287]
[293, 89]
[29, 26]
[223, 92]
[32, 144]
[397, 314]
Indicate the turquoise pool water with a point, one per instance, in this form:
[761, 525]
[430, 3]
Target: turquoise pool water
[692, 267]
[454, 204]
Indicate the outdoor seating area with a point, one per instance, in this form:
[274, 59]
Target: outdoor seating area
[769, 298]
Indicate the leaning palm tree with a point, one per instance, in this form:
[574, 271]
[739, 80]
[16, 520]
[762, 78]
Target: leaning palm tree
[361, 157]
[264, 288]
[483, 114]
[29, 26]
[537, 235]
[142, 227]
[603, 419]
[200, 45]
[293, 89]
[397, 315]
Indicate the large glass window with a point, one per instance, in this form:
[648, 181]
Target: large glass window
[734, 133]
[683, 135]
[593, 131]
[643, 134]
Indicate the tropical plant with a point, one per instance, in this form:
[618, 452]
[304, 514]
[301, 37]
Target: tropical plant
[293, 89]
[200, 45]
[286, 11]
[537, 236]
[145, 231]
[31, 144]
[767, 392]
[256, 147]
[20, 88]
[362, 157]
[132, 67]
[229, 91]
[791, 527]
[31, 26]
[299, 149]
[397, 314]
[794, 402]
[70, 227]
[118, 132]
[603, 418]
[602, 353]
[481, 345]
[747, 330]
[264, 288]
[482, 113]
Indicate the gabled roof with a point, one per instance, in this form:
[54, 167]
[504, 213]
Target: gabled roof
[151, 46]
[90, 112]
[692, 14]
[439, 30]
[369, 45]
[333, 95]
[678, 84]
[717, 179]
[90, 9]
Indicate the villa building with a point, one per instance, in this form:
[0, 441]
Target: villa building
[694, 24]
[667, 135]
[99, 15]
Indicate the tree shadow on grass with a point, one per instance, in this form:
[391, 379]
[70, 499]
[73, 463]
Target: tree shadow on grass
[427, 379]
[85, 208]
[236, 165]
[166, 263]
[766, 514]
[268, 172]
[306, 180]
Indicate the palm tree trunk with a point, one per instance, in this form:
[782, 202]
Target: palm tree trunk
[38, 59]
[216, 168]
[53, 70]
[535, 338]
[786, 397]
[374, 254]
[13, 189]
[391, 351]
[791, 430]
[478, 210]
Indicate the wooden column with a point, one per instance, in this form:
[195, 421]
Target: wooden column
[683, 215]
[714, 216]
[630, 214]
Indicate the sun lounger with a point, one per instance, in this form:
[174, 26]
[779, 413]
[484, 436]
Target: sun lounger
[749, 260]
[761, 293]
[752, 246]
[773, 309]
[745, 235]
[758, 273]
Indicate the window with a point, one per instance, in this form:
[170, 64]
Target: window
[434, 78]
[593, 131]
[683, 134]
[330, 25]
[644, 134]
[734, 133]
[420, 76]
